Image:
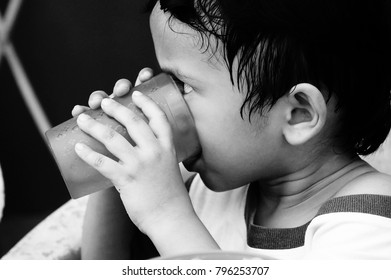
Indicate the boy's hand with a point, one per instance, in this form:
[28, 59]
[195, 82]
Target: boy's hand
[121, 87]
[147, 176]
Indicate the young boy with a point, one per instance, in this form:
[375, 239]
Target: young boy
[285, 95]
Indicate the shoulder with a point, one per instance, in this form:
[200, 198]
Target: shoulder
[367, 193]
[370, 182]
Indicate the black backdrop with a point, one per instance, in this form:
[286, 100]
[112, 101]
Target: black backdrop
[68, 48]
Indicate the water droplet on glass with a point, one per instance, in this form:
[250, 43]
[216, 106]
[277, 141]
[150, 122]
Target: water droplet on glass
[59, 136]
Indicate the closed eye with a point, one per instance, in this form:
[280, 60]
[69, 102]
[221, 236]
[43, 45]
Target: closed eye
[185, 88]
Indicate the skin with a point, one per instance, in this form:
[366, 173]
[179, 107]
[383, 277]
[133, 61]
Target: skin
[236, 152]
[287, 154]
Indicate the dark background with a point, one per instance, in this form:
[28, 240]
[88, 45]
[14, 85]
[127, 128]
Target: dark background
[68, 49]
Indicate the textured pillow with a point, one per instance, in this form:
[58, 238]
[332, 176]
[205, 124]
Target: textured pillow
[56, 237]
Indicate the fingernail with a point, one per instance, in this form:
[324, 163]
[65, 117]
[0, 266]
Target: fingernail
[83, 117]
[137, 93]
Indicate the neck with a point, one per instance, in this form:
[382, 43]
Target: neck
[293, 199]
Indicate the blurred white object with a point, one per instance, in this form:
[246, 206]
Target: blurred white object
[2, 194]
[56, 237]
[216, 255]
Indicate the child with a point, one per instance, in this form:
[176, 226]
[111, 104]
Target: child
[285, 95]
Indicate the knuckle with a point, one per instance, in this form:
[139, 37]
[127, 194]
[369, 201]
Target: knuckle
[99, 161]
[134, 118]
[153, 155]
[123, 180]
[108, 134]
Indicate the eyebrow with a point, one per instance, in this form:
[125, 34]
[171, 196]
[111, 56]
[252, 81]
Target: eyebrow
[175, 72]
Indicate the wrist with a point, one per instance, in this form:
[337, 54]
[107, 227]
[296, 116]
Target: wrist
[166, 219]
[181, 235]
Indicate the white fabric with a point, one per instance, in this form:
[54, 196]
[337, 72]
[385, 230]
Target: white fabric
[221, 213]
[334, 235]
[349, 236]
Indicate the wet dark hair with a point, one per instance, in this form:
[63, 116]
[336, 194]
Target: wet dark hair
[340, 46]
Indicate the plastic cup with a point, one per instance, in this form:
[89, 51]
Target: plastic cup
[82, 179]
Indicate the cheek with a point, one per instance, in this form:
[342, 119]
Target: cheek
[213, 122]
[233, 151]
[217, 118]
[223, 138]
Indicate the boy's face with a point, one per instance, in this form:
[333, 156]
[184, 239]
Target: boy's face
[234, 151]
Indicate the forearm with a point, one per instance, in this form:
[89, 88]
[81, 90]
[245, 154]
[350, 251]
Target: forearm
[184, 235]
[107, 229]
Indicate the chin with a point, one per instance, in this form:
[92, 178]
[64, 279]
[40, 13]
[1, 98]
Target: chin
[216, 183]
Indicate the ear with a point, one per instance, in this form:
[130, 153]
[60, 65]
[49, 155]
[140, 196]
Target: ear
[306, 114]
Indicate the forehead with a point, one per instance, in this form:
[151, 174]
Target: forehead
[175, 39]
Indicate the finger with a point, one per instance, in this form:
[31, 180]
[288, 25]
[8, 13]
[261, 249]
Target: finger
[137, 127]
[144, 75]
[121, 87]
[78, 109]
[157, 118]
[113, 141]
[104, 165]
[96, 98]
